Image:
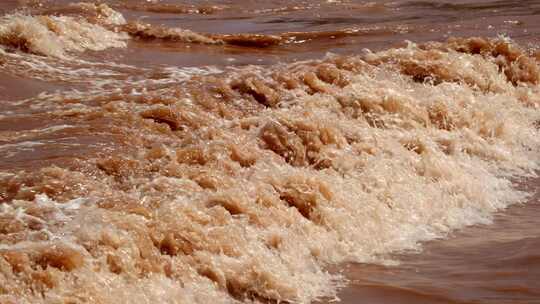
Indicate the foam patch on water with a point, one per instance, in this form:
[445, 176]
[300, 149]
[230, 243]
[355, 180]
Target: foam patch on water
[56, 36]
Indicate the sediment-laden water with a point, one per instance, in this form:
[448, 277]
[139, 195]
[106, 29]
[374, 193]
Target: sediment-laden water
[226, 152]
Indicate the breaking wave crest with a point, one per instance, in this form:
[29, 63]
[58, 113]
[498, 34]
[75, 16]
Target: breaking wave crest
[151, 32]
[245, 185]
[57, 36]
[147, 31]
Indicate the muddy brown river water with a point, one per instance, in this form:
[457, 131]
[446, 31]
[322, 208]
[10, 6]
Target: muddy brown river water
[167, 151]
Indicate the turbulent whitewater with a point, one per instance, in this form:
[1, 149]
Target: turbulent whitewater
[245, 184]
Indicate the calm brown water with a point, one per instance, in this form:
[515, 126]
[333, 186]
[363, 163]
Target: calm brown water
[292, 151]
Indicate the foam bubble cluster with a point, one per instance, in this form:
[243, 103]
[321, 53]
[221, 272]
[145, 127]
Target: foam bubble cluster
[57, 36]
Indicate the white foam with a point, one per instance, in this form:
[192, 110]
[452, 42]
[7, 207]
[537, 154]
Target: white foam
[56, 36]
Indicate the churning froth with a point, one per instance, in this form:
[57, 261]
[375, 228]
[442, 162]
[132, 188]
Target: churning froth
[57, 36]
